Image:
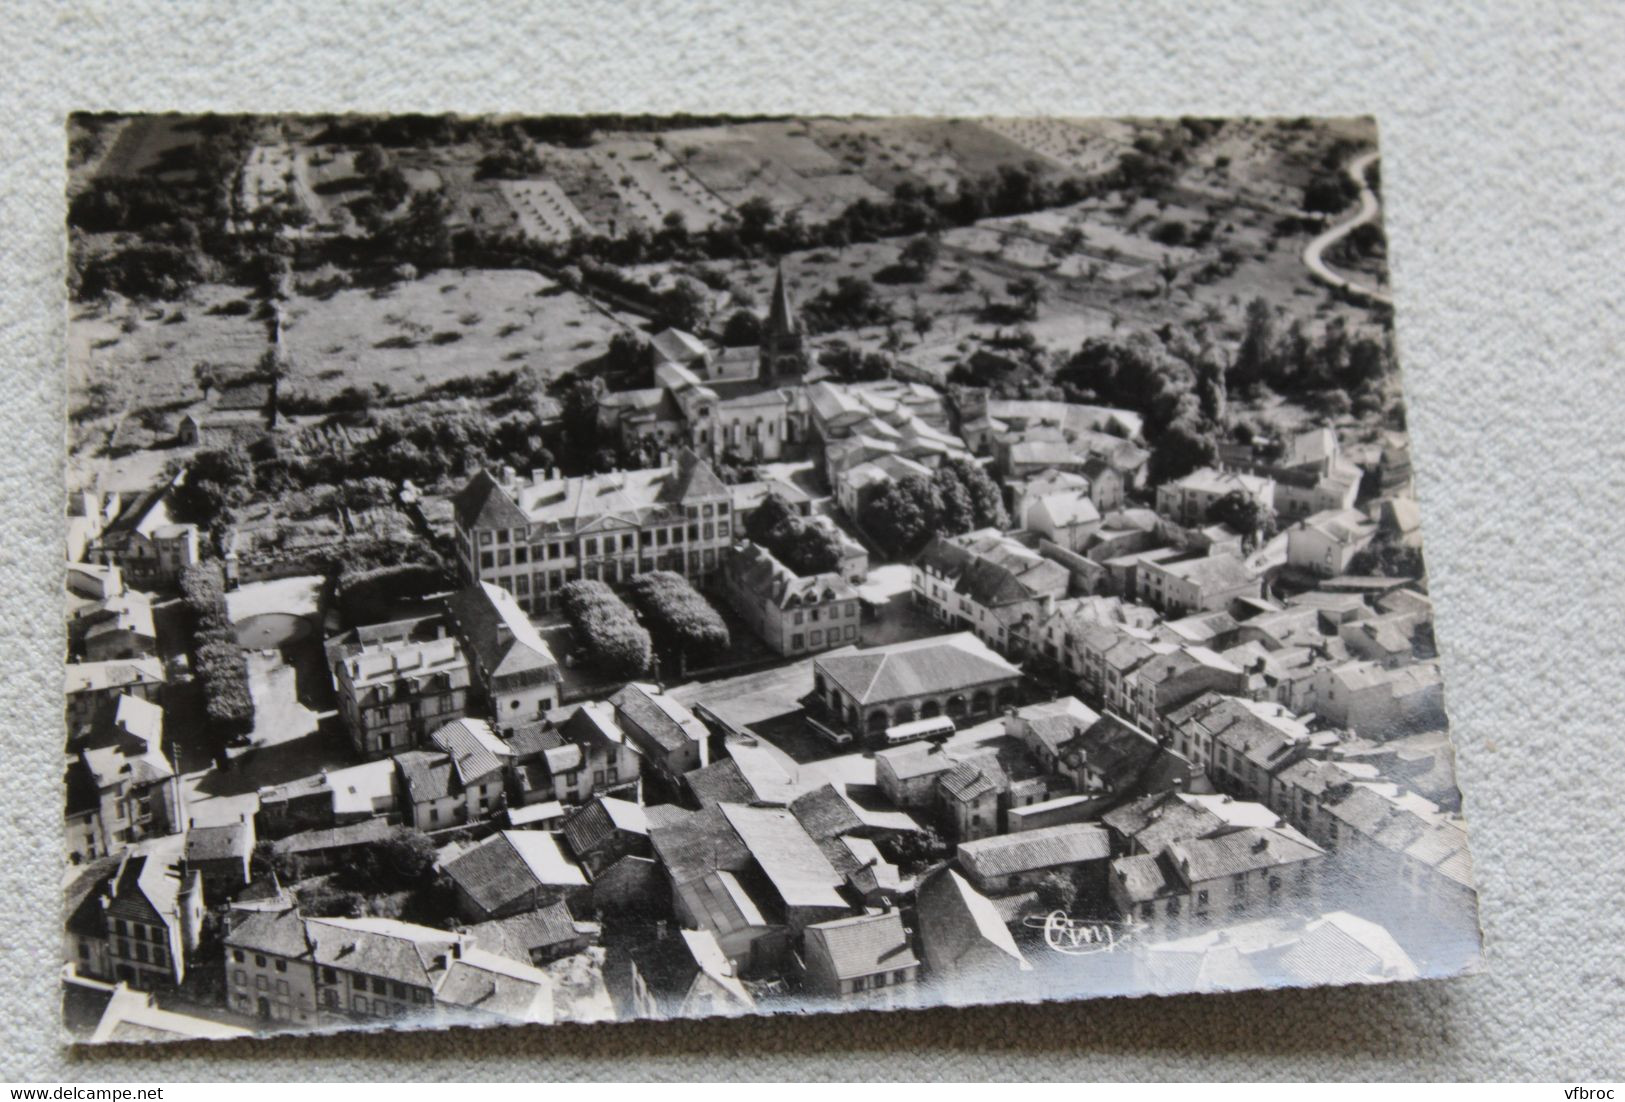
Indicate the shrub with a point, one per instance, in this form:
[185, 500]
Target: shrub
[614, 639]
[681, 617]
[217, 657]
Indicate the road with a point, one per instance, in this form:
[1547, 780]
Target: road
[1314, 252]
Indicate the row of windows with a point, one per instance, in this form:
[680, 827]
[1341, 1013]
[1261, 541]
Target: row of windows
[521, 536]
[139, 930]
[816, 637]
[836, 612]
[141, 952]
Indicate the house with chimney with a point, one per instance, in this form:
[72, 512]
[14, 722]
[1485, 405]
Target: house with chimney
[134, 918]
[532, 536]
[865, 959]
[1227, 876]
[121, 785]
[298, 972]
[511, 662]
[988, 583]
[397, 682]
[791, 613]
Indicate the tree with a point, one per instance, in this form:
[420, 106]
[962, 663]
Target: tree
[682, 306]
[612, 636]
[684, 621]
[894, 519]
[1243, 513]
[1257, 351]
[955, 515]
[772, 512]
[987, 500]
[742, 329]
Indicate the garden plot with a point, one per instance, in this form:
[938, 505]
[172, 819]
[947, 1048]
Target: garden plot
[451, 325]
[137, 356]
[650, 182]
[788, 169]
[1089, 149]
[586, 186]
[542, 209]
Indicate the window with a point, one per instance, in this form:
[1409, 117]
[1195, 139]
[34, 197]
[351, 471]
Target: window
[259, 960]
[329, 976]
[796, 642]
[240, 978]
[486, 560]
[521, 554]
[1201, 898]
[379, 986]
[237, 955]
[398, 990]
[281, 966]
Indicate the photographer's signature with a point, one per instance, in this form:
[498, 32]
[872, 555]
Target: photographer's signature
[1074, 937]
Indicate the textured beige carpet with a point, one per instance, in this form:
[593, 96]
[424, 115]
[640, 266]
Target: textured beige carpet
[1502, 138]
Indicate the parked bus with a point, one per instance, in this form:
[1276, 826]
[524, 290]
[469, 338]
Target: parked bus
[939, 727]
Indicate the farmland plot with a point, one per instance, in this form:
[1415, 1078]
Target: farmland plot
[451, 325]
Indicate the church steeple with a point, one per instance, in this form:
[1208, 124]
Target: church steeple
[782, 351]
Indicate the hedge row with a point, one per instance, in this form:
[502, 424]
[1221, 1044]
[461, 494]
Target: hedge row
[369, 596]
[615, 641]
[218, 659]
[678, 615]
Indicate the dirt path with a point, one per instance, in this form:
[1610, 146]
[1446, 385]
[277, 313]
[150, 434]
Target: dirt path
[1314, 253]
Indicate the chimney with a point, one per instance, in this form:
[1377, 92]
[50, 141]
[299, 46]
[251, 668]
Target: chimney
[1261, 845]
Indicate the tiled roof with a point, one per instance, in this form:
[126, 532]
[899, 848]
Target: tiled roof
[824, 813]
[218, 843]
[510, 863]
[695, 843]
[567, 505]
[1241, 851]
[663, 719]
[504, 641]
[517, 936]
[798, 869]
[381, 947]
[1144, 877]
[1030, 850]
[280, 933]
[428, 775]
[938, 665]
[82, 677]
[475, 752]
[484, 504]
[719, 782]
[864, 944]
[757, 571]
[355, 834]
[597, 822]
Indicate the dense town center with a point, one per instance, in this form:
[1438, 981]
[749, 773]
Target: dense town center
[556, 570]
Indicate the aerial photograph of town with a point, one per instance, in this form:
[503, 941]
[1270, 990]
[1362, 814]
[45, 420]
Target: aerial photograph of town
[596, 568]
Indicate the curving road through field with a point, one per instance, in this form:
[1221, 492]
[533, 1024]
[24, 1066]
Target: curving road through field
[1313, 253]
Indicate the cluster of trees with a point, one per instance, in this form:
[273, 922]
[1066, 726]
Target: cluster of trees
[218, 660]
[1244, 514]
[958, 497]
[850, 304]
[804, 548]
[616, 643]
[174, 214]
[1177, 385]
[683, 621]
[1289, 360]
[1389, 558]
[366, 596]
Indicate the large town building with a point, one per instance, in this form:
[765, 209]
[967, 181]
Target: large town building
[533, 537]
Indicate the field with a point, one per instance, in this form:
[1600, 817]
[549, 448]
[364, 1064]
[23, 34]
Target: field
[452, 325]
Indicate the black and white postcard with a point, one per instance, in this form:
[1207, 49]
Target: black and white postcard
[583, 569]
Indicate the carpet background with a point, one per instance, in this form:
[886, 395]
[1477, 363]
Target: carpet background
[1501, 133]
